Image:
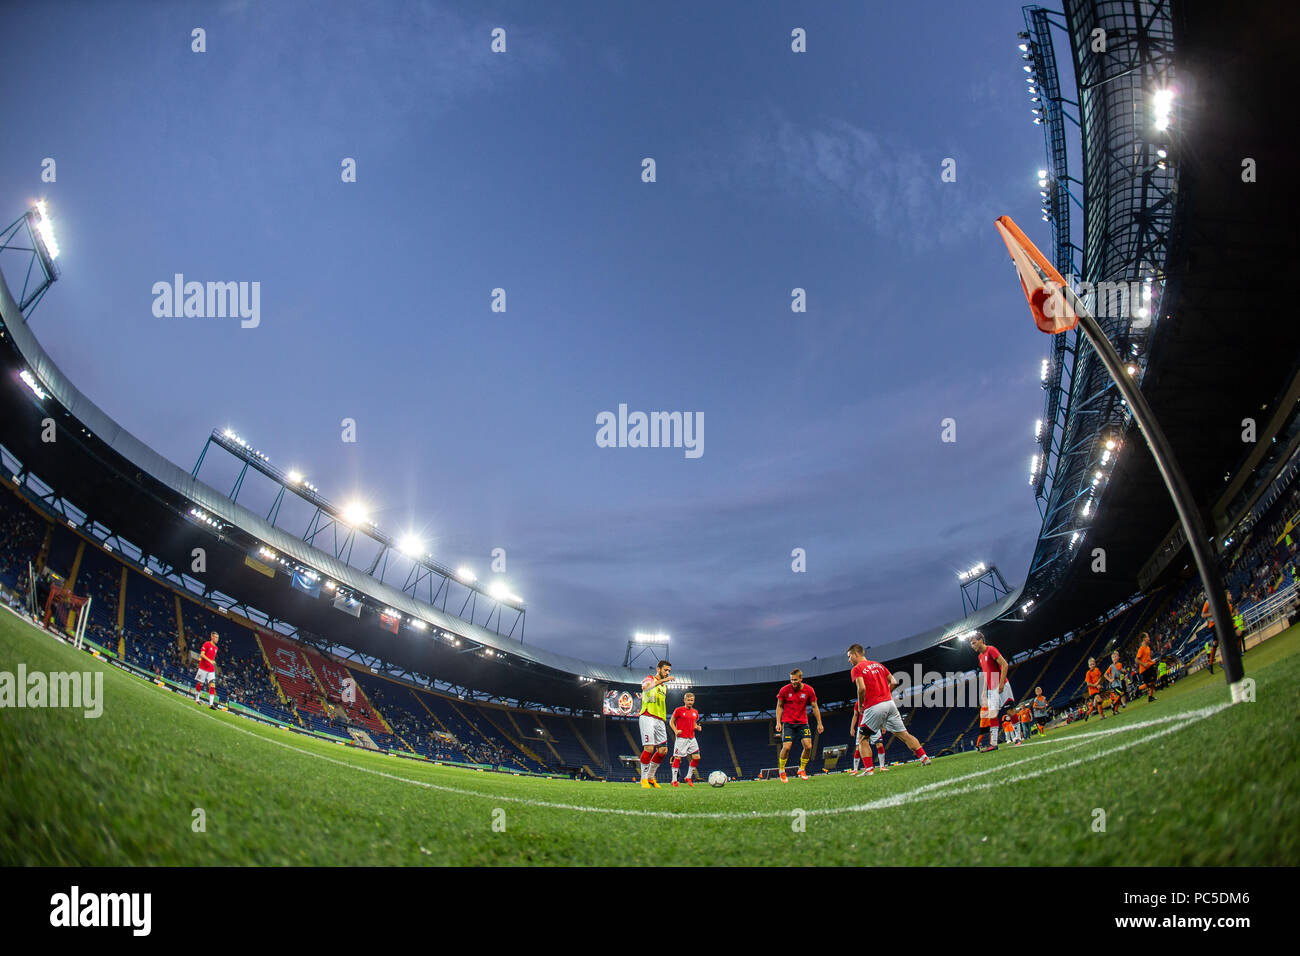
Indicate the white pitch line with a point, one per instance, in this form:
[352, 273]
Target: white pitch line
[939, 788]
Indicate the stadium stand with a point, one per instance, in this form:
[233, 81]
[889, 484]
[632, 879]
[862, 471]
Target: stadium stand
[158, 628]
[21, 534]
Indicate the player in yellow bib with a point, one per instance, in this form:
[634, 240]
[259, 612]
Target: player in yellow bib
[654, 723]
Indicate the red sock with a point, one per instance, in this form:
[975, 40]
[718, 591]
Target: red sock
[657, 758]
[645, 756]
[677, 762]
[695, 762]
[919, 751]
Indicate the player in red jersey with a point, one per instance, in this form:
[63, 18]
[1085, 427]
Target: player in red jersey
[793, 701]
[207, 673]
[876, 740]
[876, 704]
[995, 689]
[686, 721]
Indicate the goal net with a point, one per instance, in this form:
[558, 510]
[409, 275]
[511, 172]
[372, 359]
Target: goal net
[66, 613]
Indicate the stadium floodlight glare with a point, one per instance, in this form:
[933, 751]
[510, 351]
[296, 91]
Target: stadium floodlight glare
[501, 592]
[1024, 608]
[411, 545]
[1042, 174]
[45, 230]
[644, 637]
[294, 477]
[355, 514]
[1023, 47]
[29, 380]
[974, 572]
[1110, 444]
[465, 575]
[1028, 68]
[1163, 105]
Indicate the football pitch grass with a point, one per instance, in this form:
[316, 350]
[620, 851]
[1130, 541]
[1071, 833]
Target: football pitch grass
[1187, 780]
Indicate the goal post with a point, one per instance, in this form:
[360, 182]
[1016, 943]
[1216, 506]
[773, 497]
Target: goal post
[31, 591]
[67, 613]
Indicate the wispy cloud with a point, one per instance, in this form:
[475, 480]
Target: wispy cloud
[891, 186]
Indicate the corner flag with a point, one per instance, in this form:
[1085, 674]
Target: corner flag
[1043, 285]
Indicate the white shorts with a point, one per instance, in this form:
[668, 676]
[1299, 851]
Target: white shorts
[654, 732]
[883, 715]
[684, 746]
[206, 677]
[994, 701]
[873, 738]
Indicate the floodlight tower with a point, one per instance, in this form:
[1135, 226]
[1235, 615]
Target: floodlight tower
[32, 234]
[974, 580]
[642, 643]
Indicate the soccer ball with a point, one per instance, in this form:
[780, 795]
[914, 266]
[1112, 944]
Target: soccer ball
[717, 778]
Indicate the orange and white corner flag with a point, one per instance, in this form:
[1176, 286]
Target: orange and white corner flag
[1040, 280]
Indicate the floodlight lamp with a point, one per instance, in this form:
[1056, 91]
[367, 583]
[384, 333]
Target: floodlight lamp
[29, 380]
[411, 546]
[45, 230]
[354, 513]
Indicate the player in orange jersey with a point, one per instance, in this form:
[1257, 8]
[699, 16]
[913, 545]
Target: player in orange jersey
[1146, 667]
[1115, 682]
[1093, 680]
[1041, 710]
